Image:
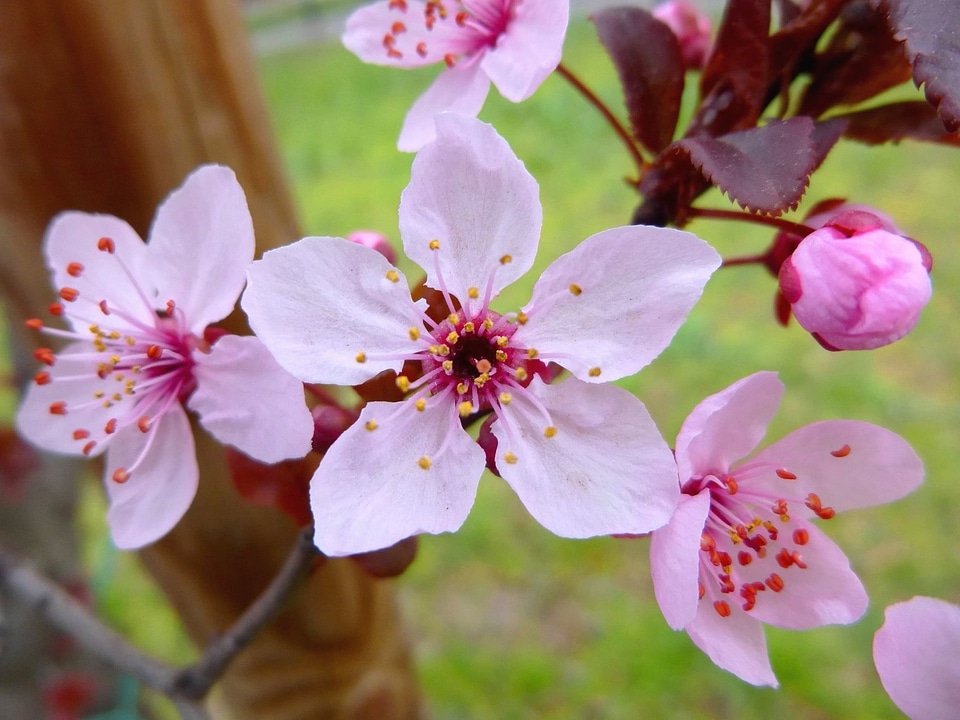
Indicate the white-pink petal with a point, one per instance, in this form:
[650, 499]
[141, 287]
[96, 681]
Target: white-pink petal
[159, 491]
[849, 464]
[245, 399]
[727, 426]
[735, 643]
[413, 472]
[612, 304]
[367, 27]
[826, 592]
[201, 243]
[917, 654]
[73, 237]
[530, 48]
[331, 311]
[85, 412]
[460, 90]
[470, 193]
[675, 560]
[605, 470]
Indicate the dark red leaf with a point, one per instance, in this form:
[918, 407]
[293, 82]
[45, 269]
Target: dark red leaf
[283, 485]
[930, 30]
[914, 120]
[825, 136]
[733, 87]
[764, 169]
[861, 60]
[801, 27]
[647, 57]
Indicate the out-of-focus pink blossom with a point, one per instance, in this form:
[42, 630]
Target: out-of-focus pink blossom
[917, 654]
[140, 352]
[515, 44]
[741, 549]
[583, 455]
[856, 283]
[375, 241]
[692, 28]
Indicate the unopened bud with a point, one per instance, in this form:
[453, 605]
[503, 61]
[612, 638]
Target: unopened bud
[691, 27]
[375, 241]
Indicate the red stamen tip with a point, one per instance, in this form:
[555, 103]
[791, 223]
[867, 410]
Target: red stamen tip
[111, 427]
[88, 448]
[144, 424]
[106, 244]
[775, 582]
[450, 59]
[81, 434]
[744, 558]
[74, 269]
[422, 49]
[801, 536]
[58, 408]
[785, 474]
[103, 307]
[722, 607]
[842, 452]
[69, 294]
[56, 309]
[398, 27]
[120, 476]
[154, 352]
[42, 378]
[44, 355]
[462, 18]
[34, 323]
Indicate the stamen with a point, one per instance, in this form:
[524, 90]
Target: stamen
[594, 372]
[58, 408]
[111, 427]
[550, 431]
[34, 323]
[106, 245]
[403, 382]
[398, 27]
[510, 458]
[774, 582]
[393, 275]
[361, 357]
[154, 352]
[801, 536]
[575, 289]
[842, 452]
[506, 259]
[88, 448]
[81, 434]
[42, 378]
[120, 476]
[420, 404]
[143, 424]
[74, 269]
[56, 309]
[69, 294]
[465, 408]
[414, 333]
[422, 49]
[424, 462]
[785, 474]
[371, 425]
[722, 607]
[434, 244]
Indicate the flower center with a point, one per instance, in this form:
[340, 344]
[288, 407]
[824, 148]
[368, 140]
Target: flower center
[139, 365]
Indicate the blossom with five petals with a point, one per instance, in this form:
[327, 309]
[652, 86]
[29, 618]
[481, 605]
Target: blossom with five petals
[137, 315]
[917, 657]
[740, 549]
[515, 44]
[584, 456]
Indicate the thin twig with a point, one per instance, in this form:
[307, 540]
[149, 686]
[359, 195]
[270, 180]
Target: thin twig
[185, 686]
[745, 260]
[196, 681]
[778, 223]
[617, 126]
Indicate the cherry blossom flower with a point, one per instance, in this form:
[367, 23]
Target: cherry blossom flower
[515, 44]
[583, 455]
[917, 657]
[740, 549]
[855, 284]
[692, 28]
[140, 350]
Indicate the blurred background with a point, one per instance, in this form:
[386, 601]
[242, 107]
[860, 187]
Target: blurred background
[508, 621]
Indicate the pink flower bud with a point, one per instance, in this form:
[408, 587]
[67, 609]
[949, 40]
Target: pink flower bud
[855, 285]
[375, 241]
[692, 28]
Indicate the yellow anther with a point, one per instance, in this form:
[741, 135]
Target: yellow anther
[468, 327]
[119, 376]
[114, 335]
[506, 259]
[481, 380]
[414, 334]
[532, 353]
[420, 404]
[114, 359]
[473, 293]
[136, 369]
[502, 340]
[452, 337]
[130, 341]
[549, 431]
[522, 317]
[594, 372]
[575, 289]
[424, 462]
[434, 349]
[443, 351]
[521, 374]
[510, 458]
[95, 329]
[371, 425]
[505, 398]
[98, 394]
[361, 357]
[447, 366]
[465, 408]
[393, 275]
[453, 319]
[501, 356]
[462, 388]
[487, 324]
[403, 382]
[117, 397]
[434, 244]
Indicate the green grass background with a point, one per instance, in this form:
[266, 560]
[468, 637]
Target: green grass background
[508, 621]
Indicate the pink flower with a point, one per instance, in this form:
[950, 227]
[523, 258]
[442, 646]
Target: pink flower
[583, 455]
[137, 315]
[375, 241]
[917, 658]
[856, 285]
[515, 44]
[692, 28]
[740, 549]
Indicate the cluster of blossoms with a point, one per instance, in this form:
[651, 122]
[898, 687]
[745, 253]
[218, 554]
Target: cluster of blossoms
[584, 456]
[140, 352]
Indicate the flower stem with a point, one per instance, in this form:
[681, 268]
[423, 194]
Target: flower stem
[717, 214]
[617, 126]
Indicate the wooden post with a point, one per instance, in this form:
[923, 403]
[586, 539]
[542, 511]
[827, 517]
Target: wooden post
[106, 106]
